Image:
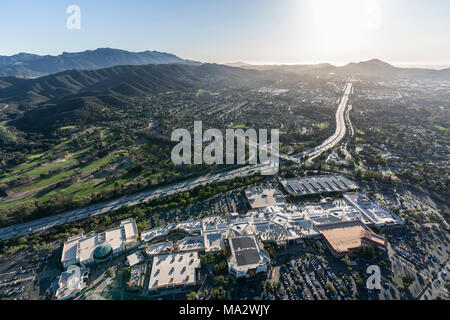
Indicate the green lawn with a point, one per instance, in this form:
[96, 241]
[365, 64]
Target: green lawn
[240, 126]
[67, 127]
[323, 125]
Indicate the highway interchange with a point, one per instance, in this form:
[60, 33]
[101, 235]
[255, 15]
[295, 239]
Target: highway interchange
[46, 223]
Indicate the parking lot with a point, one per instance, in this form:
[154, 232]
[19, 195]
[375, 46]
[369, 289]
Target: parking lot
[309, 278]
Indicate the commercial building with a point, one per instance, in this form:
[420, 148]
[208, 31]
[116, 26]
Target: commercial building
[373, 213]
[188, 244]
[70, 283]
[162, 233]
[84, 250]
[174, 271]
[159, 248]
[342, 238]
[214, 230]
[280, 225]
[318, 185]
[247, 257]
[259, 197]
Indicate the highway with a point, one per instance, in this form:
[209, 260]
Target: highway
[43, 224]
[340, 130]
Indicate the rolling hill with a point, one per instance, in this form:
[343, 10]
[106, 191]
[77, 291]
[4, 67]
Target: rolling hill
[80, 96]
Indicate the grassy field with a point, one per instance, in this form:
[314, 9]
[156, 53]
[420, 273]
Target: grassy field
[239, 126]
[323, 125]
[43, 170]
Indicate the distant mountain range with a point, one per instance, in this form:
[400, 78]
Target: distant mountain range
[373, 69]
[32, 65]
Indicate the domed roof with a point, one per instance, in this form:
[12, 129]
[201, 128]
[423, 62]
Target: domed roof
[102, 251]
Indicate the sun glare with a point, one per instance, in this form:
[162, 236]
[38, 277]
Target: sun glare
[342, 26]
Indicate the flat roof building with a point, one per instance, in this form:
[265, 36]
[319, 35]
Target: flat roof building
[161, 233]
[342, 238]
[100, 246]
[194, 243]
[159, 248]
[175, 270]
[247, 257]
[135, 258]
[260, 196]
[315, 185]
[372, 211]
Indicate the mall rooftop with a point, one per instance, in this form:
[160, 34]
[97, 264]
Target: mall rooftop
[81, 249]
[316, 185]
[174, 270]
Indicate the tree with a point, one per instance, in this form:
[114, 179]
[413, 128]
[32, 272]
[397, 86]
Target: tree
[329, 287]
[22, 240]
[346, 260]
[191, 296]
[221, 281]
[220, 268]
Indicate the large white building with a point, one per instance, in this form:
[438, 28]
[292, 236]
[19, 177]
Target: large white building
[175, 270]
[373, 213]
[84, 250]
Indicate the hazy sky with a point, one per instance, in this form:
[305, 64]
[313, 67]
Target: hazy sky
[256, 31]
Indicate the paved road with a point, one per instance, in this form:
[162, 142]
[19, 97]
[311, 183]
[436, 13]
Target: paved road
[130, 200]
